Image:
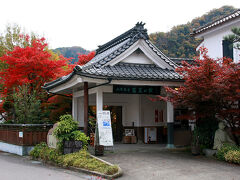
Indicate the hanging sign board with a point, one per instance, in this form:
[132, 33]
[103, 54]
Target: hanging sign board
[122, 89]
[105, 128]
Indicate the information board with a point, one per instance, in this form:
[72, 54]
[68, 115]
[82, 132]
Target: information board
[105, 128]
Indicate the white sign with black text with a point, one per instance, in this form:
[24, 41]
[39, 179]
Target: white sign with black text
[105, 128]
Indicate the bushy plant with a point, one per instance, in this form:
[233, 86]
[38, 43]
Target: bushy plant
[45, 153]
[80, 136]
[233, 156]
[35, 153]
[67, 129]
[225, 149]
[81, 159]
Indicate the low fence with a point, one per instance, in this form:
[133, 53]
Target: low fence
[24, 134]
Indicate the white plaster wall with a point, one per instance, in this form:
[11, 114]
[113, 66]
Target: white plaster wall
[129, 102]
[139, 58]
[213, 41]
[148, 111]
[135, 108]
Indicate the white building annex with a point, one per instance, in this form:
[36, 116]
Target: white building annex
[213, 36]
[124, 73]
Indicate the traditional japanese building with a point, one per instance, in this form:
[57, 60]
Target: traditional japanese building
[122, 77]
[213, 35]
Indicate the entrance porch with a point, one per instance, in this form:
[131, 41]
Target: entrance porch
[153, 122]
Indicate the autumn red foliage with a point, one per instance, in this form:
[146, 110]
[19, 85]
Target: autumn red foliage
[30, 65]
[82, 60]
[34, 65]
[85, 58]
[211, 89]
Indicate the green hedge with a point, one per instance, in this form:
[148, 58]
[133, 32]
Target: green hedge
[81, 159]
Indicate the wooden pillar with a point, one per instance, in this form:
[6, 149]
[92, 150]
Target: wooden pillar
[85, 107]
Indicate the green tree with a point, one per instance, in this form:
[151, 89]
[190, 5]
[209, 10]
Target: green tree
[12, 37]
[234, 38]
[27, 107]
[178, 42]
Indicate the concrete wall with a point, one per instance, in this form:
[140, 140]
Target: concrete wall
[135, 108]
[213, 41]
[15, 149]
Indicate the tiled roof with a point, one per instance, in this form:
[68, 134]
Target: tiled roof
[178, 61]
[117, 46]
[98, 68]
[227, 18]
[130, 71]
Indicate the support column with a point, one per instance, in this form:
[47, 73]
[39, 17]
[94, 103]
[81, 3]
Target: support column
[170, 125]
[99, 99]
[99, 107]
[74, 108]
[85, 107]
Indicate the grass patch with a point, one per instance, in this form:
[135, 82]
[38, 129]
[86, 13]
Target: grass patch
[81, 159]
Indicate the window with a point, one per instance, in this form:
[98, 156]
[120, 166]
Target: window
[227, 49]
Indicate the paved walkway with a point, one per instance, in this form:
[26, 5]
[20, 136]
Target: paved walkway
[139, 162]
[154, 162]
[13, 167]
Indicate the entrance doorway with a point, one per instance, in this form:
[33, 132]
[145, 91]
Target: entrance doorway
[116, 120]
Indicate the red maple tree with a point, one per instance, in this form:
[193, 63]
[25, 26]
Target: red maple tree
[85, 58]
[30, 65]
[211, 89]
[82, 60]
[33, 65]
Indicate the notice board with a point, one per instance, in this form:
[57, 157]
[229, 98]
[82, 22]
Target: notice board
[105, 128]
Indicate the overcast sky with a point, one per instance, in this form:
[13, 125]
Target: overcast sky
[90, 23]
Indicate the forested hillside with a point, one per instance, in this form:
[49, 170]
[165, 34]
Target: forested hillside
[71, 52]
[178, 42]
[175, 43]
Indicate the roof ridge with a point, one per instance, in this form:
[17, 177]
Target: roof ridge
[138, 28]
[216, 22]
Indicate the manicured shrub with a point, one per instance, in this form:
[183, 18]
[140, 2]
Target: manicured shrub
[233, 156]
[67, 129]
[224, 150]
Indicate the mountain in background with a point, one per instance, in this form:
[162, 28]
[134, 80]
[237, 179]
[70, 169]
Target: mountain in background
[175, 43]
[71, 52]
[178, 42]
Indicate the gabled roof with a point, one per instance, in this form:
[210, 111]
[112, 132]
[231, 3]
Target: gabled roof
[99, 68]
[115, 47]
[218, 22]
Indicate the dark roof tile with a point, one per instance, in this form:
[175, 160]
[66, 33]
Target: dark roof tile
[131, 71]
[217, 22]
